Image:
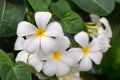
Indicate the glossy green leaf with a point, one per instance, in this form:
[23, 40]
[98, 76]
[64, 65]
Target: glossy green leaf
[100, 7]
[18, 72]
[72, 23]
[39, 5]
[60, 8]
[11, 12]
[5, 59]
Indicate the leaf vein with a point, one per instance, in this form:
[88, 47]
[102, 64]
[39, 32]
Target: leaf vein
[3, 12]
[100, 5]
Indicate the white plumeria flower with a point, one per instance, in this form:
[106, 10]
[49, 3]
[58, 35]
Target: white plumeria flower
[73, 74]
[99, 21]
[104, 42]
[40, 37]
[89, 51]
[31, 59]
[60, 60]
[19, 43]
[107, 30]
[104, 33]
[95, 19]
[19, 46]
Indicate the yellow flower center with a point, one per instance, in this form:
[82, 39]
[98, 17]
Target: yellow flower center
[85, 50]
[56, 55]
[40, 32]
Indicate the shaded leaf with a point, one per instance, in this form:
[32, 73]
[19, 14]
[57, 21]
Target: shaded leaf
[18, 72]
[11, 12]
[60, 8]
[5, 59]
[72, 23]
[100, 7]
[39, 5]
[3, 71]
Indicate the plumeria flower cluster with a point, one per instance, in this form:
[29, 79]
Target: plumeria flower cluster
[99, 44]
[45, 47]
[104, 33]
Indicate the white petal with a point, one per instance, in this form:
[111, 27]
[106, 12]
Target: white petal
[107, 25]
[19, 43]
[96, 57]
[77, 52]
[62, 43]
[22, 56]
[82, 38]
[62, 68]
[94, 45]
[85, 64]
[54, 29]
[95, 18]
[44, 56]
[31, 44]
[42, 18]
[35, 62]
[68, 58]
[101, 31]
[25, 28]
[105, 49]
[48, 44]
[76, 76]
[104, 43]
[50, 68]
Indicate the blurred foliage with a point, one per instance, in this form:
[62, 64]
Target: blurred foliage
[110, 65]
[72, 14]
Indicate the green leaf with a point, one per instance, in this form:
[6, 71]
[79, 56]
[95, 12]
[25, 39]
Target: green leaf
[60, 8]
[40, 5]
[11, 12]
[117, 1]
[100, 7]
[5, 59]
[9, 71]
[3, 71]
[18, 72]
[72, 23]
[11, 56]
